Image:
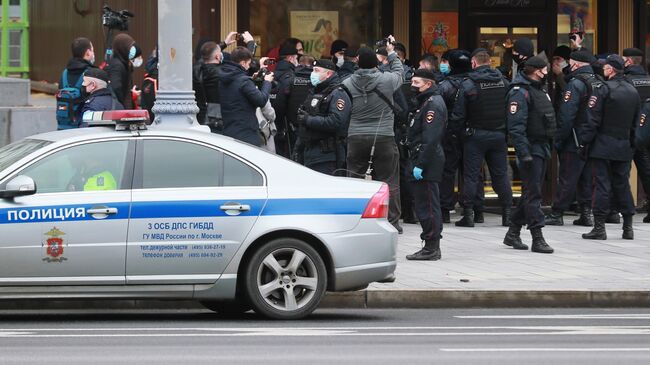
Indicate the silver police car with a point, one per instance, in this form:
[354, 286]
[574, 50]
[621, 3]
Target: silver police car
[130, 212]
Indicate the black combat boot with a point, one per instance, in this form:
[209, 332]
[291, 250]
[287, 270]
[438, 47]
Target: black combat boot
[468, 218]
[613, 218]
[505, 216]
[446, 218]
[430, 252]
[478, 216]
[513, 238]
[628, 231]
[554, 218]
[539, 243]
[599, 232]
[586, 219]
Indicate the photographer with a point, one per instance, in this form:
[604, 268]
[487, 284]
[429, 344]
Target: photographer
[371, 135]
[205, 80]
[240, 97]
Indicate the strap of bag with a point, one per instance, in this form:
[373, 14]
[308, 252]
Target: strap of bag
[64, 79]
[395, 108]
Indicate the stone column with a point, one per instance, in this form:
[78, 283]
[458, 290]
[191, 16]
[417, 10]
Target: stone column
[175, 106]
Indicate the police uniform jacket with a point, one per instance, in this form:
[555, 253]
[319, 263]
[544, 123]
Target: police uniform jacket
[284, 74]
[572, 113]
[486, 112]
[642, 132]
[528, 112]
[99, 101]
[612, 114]
[425, 135]
[327, 124]
[449, 90]
[239, 99]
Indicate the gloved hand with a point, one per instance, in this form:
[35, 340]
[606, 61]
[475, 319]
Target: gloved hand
[302, 116]
[417, 173]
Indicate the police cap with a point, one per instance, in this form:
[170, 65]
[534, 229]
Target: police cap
[424, 74]
[632, 52]
[536, 62]
[325, 63]
[479, 50]
[582, 56]
[615, 61]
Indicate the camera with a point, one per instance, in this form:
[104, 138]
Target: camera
[269, 61]
[240, 38]
[118, 20]
[383, 42]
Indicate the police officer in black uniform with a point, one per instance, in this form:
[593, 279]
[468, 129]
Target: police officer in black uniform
[285, 71]
[608, 137]
[637, 75]
[572, 176]
[323, 120]
[481, 111]
[427, 161]
[459, 66]
[531, 126]
[300, 89]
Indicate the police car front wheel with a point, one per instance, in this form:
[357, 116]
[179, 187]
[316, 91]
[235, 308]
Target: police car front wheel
[285, 279]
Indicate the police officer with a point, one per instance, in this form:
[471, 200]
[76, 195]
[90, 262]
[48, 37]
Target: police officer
[572, 176]
[637, 75]
[607, 136]
[459, 65]
[300, 89]
[480, 111]
[323, 120]
[285, 72]
[531, 126]
[427, 160]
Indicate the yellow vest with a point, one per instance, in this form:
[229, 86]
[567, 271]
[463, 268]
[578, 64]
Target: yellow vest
[102, 181]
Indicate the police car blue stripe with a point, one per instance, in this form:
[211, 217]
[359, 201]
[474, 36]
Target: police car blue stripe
[185, 209]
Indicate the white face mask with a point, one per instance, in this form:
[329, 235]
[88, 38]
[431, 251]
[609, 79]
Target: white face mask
[339, 61]
[92, 60]
[137, 62]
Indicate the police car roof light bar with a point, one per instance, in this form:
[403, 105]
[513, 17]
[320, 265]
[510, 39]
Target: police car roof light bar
[121, 119]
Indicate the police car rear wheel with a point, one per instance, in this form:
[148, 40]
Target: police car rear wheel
[286, 279]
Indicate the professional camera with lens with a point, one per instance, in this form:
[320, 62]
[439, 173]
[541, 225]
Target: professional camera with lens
[383, 43]
[118, 20]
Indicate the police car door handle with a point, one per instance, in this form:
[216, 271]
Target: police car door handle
[102, 210]
[235, 206]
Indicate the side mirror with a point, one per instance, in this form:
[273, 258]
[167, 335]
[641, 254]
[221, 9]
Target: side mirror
[19, 186]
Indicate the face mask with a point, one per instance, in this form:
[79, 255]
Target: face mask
[563, 64]
[137, 62]
[444, 68]
[92, 60]
[415, 90]
[132, 52]
[519, 59]
[314, 78]
[339, 61]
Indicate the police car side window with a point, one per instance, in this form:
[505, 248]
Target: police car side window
[177, 164]
[237, 173]
[86, 167]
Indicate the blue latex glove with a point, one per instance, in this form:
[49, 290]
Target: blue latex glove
[417, 173]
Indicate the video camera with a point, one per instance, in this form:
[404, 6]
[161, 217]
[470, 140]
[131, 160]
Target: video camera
[383, 42]
[118, 20]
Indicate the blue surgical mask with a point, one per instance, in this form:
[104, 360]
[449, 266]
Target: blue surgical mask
[444, 68]
[314, 78]
[132, 52]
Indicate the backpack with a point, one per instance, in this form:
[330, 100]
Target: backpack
[68, 102]
[149, 90]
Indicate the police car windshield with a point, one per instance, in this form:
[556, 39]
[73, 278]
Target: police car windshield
[17, 150]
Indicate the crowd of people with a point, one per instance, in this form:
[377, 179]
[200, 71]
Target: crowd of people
[366, 113]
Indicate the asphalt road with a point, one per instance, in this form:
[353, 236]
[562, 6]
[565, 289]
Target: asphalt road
[329, 336]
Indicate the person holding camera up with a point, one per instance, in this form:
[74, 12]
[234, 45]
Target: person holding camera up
[323, 120]
[240, 97]
[371, 136]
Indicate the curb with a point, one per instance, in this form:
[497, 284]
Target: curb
[404, 299]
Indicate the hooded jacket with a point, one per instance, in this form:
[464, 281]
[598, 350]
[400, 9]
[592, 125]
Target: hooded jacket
[239, 99]
[370, 114]
[120, 70]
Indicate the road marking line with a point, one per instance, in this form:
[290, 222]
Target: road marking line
[560, 316]
[550, 349]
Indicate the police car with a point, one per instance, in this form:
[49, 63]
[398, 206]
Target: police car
[126, 211]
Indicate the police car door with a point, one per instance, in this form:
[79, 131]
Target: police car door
[193, 206]
[73, 230]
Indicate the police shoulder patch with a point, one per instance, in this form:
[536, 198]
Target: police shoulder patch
[314, 102]
[567, 96]
[430, 116]
[642, 120]
[592, 101]
[340, 104]
[514, 107]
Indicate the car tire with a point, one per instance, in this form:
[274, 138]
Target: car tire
[231, 308]
[285, 279]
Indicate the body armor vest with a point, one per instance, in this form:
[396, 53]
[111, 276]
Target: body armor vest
[542, 122]
[619, 111]
[488, 111]
[642, 84]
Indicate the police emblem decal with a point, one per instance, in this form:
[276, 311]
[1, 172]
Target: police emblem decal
[567, 96]
[430, 115]
[340, 104]
[314, 102]
[592, 101]
[642, 120]
[54, 246]
[514, 107]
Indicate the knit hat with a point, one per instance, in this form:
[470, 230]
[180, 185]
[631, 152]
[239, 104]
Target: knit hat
[382, 51]
[288, 50]
[338, 46]
[582, 56]
[460, 61]
[524, 46]
[616, 62]
[367, 58]
[351, 52]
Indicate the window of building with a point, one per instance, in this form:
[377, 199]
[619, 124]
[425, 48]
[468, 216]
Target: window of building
[316, 23]
[439, 26]
[577, 16]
